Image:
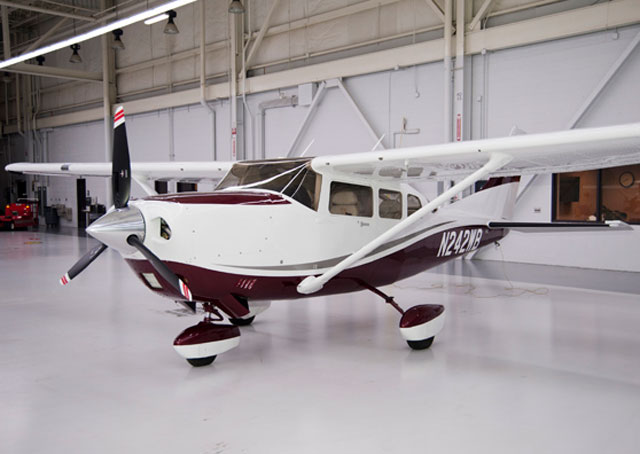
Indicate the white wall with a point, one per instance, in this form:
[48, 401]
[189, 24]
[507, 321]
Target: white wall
[540, 88]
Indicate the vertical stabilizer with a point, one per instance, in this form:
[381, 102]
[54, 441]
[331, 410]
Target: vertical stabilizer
[496, 200]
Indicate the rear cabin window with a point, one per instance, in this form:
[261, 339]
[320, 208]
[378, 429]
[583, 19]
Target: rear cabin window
[413, 204]
[351, 200]
[389, 204]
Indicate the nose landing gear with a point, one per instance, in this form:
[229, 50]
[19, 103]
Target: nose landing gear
[202, 343]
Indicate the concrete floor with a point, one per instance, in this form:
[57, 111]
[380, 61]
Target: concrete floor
[541, 368]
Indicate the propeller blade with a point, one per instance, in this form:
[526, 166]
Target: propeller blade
[81, 264]
[121, 166]
[162, 269]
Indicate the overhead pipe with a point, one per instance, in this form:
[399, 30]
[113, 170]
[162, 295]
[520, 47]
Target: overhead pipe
[203, 79]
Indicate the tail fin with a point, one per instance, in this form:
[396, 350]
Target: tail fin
[496, 200]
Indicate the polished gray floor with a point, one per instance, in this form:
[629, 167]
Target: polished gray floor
[528, 362]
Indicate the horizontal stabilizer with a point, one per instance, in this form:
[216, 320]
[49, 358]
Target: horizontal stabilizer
[537, 227]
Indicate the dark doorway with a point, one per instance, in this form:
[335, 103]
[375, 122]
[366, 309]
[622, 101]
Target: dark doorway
[81, 196]
[21, 189]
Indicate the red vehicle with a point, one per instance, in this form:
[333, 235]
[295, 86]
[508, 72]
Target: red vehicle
[18, 215]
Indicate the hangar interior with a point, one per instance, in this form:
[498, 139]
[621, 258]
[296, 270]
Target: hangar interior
[284, 78]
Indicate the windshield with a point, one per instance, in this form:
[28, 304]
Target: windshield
[292, 177]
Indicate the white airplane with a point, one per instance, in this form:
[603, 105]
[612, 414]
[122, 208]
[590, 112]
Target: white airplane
[290, 228]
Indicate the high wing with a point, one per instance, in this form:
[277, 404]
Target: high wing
[564, 151]
[184, 171]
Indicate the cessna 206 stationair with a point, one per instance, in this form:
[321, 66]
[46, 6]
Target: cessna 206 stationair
[320, 226]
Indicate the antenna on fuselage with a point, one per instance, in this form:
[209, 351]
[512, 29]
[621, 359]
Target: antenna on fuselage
[307, 149]
[377, 143]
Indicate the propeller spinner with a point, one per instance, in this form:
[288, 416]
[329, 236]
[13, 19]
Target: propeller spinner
[123, 227]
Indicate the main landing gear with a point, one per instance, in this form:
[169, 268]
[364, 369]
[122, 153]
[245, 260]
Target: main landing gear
[418, 324]
[201, 343]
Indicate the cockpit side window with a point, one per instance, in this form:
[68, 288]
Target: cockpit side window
[303, 188]
[351, 200]
[291, 177]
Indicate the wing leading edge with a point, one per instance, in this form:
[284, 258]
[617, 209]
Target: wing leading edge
[564, 151]
[187, 171]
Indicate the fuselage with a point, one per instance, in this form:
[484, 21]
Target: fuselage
[254, 243]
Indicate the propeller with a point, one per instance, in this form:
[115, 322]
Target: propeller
[121, 165]
[81, 264]
[124, 226]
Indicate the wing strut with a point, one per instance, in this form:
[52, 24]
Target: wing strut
[312, 283]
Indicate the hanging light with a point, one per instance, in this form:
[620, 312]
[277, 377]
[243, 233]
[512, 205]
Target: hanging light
[236, 7]
[117, 42]
[75, 56]
[170, 28]
[40, 59]
[121, 23]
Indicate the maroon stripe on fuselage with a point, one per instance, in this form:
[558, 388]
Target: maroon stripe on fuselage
[212, 286]
[223, 198]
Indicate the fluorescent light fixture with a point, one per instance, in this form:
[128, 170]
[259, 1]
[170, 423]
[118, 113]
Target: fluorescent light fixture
[153, 20]
[96, 32]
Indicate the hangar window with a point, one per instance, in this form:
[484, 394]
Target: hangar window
[292, 177]
[598, 195]
[351, 200]
[390, 204]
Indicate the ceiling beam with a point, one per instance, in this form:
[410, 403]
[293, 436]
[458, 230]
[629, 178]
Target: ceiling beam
[436, 9]
[46, 35]
[596, 18]
[51, 71]
[261, 33]
[480, 14]
[52, 12]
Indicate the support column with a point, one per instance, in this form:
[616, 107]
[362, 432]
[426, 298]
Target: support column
[235, 31]
[108, 98]
[458, 78]
[6, 40]
[448, 30]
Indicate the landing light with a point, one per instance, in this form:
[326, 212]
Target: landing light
[152, 280]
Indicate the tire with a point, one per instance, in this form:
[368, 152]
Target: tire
[199, 362]
[242, 321]
[12, 226]
[421, 344]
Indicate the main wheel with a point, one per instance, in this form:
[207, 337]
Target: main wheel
[12, 226]
[199, 362]
[421, 344]
[242, 321]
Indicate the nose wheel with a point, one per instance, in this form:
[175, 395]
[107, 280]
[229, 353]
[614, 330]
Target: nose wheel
[202, 343]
